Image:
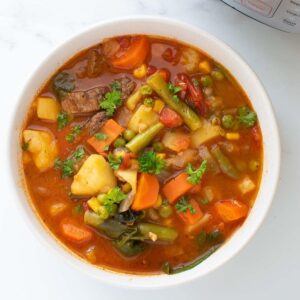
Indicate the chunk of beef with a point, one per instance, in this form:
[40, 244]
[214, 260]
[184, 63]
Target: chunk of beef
[127, 86]
[83, 102]
[96, 122]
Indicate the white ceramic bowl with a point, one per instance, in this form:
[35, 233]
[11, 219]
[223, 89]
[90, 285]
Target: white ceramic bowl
[219, 51]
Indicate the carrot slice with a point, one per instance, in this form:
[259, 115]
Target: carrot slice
[147, 192]
[134, 56]
[75, 233]
[231, 210]
[112, 129]
[177, 187]
[191, 218]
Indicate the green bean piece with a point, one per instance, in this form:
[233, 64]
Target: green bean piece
[169, 270]
[190, 118]
[143, 139]
[92, 219]
[146, 90]
[158, 147]
[227, 121]
[217, 75]
[119, 142]
[163, 233]
[206, 80]
[225, 165]
[130, 248]
[165, 210]
[112, 228]
[128, 134]
[253, 165]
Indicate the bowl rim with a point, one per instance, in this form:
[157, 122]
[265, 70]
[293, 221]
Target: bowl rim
[105, 275]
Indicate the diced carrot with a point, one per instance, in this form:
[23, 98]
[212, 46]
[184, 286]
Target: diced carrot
[195, 189]
[170, 118]
[134, 56]
[75, 233]
[147, 192]
[112, 129]
[165, 74]
[189, 217]
[176, 187]
[231, 210]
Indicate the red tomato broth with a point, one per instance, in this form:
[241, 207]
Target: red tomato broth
[46, 188]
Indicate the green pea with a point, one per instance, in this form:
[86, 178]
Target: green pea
[217, 75]
[128, 134]
[227, 121]
[253, 165]
[146, 90]
[206, 80]
[165, 211]
[126, 187]
[119, 142]
[158, 147]
[148, 102]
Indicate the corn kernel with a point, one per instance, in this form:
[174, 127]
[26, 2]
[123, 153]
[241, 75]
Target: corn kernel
[94, 204]
[57, 208]
[158, 106]
[161, 155]
[158, 202]
[232, 136]
[205, 67]
[140, 71]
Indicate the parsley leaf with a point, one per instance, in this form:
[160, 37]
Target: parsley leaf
[195, 175]
[114, 196]
[101, 136]
[174, 90]
[150, 162]
[67, 166]
[183, 205]
[112, 100]
[76, 130]
[79, 153]
[62, 120]
[247, 117]
[114, 161]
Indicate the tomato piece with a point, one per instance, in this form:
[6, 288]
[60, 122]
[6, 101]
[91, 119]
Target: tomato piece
[134, 55]
[165, 74]
[170, 118]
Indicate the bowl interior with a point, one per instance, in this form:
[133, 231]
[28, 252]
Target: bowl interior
[223, 54]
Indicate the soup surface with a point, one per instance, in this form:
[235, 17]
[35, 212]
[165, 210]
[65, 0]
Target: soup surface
[142, 155]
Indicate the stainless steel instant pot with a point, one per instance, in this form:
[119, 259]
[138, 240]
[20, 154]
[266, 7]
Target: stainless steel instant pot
[280, 14]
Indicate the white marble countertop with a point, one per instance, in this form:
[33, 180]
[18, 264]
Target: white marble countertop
[269, 266]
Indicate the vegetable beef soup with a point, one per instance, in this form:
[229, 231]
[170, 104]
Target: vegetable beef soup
[142, 155]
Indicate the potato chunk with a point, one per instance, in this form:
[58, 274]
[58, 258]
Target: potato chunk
[47, 109]
[94, 177]
[143, 118]
[42, 147]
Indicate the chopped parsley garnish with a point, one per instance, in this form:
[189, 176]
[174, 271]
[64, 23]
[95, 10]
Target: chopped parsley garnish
[76, 130]
[112, 100]
[246, 116]
[174, 90]
[62, 120]
[195, 175]
[114, 196]
[67, 166]
[25, 146]
[101, 136]
[114, 161]
[78, 209]
[150, 162]
[106, 147]
[183, 205]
